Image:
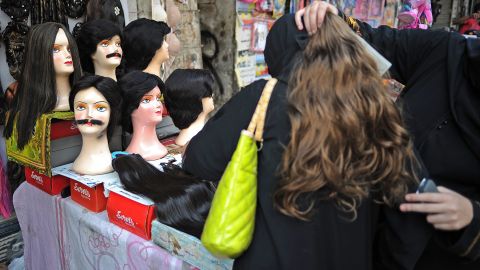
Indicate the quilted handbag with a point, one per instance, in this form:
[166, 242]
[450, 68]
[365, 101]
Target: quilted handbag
[229, 226]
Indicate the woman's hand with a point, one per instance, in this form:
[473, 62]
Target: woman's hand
[313, 15]
[446, 210]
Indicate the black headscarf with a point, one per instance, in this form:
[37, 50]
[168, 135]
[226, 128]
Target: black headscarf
[284, 44]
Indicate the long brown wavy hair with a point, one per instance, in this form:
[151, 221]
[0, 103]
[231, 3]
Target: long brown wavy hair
[347, 137]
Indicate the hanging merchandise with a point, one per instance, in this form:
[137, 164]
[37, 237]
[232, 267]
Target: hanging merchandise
[14, 37]
[75, 8]
[106, 9]
[48, 11]
[415, 14]
[17, 10]
[254, 20]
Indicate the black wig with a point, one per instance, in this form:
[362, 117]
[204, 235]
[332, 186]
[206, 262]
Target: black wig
[109, 89]
[36, 93]
[184, 91]
[90, 34]
[134, 86]
[182, 201]
[141, 40]
[106, 9]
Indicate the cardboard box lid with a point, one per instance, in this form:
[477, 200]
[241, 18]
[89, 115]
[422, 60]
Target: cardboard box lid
[91, 181]
[132, 196]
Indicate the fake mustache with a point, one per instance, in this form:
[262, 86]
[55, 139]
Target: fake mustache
[93, 121]
[110, 55]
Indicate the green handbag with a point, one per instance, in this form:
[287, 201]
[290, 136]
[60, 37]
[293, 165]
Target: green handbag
[228, 229]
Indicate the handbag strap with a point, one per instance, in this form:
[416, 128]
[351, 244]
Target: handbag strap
[258, 119]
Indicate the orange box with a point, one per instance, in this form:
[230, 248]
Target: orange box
[51, 185]
[91, 198]
[131, 212]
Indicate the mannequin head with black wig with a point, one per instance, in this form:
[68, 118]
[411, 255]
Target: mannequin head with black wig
[142, 112]
[99, 43]
[51, 65]
[145, 46]
[181, 201]
[188, 98]
[96, 102]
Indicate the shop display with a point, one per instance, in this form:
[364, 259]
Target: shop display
[142, 112]
[188, 98]
[96, 105]
[100, 48]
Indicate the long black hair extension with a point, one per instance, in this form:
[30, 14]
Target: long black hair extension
[181, 201]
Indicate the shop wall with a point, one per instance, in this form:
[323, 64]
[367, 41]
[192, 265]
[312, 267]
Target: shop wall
[217, 23]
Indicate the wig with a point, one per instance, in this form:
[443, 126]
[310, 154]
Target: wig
[90, 34]
[184, 91]
[106, 9]
[348, 138]
[182, 201]
[134, 86]
[141, 40]
[36, 93]
[109, 89]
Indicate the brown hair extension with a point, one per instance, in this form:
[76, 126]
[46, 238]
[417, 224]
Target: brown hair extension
[347, 136]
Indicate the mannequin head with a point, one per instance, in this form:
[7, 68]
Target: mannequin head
[144, 42]
[141, 94]
[96, 102]
[45, 61]
[188, 93]
[99, 45]
[173, 20]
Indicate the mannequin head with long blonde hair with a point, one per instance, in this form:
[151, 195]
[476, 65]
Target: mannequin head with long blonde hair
[347, 137]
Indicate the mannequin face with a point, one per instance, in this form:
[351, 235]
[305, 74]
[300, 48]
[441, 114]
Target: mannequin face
[109, 53]
[62, 58]
[92, 112]
[207, 104]
[162, 55]
[150, 109]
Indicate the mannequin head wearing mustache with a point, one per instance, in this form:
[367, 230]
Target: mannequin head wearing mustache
[99, 42]
[96, 103]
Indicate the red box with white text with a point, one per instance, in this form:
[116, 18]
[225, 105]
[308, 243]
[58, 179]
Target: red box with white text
[51, 185]
[131, 212]
[91, 198]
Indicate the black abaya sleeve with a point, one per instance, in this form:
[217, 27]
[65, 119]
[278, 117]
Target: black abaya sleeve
[209, 152]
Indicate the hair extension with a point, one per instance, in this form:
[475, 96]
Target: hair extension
[36, 92]
[182, 201]
[109, 89]
[90, 35]
[347, 136]
[141, 40]
[134, 86]
[184, 91]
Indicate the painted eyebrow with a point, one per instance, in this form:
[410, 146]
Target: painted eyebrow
[101, 101]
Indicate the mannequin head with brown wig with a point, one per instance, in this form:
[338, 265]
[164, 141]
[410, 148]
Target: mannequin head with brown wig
[51, 65]
[347, 136]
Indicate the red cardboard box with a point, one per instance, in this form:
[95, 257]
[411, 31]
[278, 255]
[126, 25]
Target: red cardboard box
[131, 212]
[91, 198]
[63, 128]
[51, 185]
[88, 190]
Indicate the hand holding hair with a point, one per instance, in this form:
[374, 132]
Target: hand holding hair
[313, 15]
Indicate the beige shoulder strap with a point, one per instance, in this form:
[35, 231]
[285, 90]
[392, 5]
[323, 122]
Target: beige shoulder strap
[258, 118]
